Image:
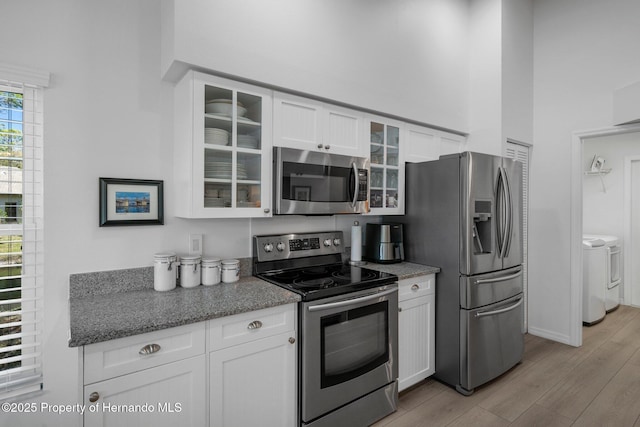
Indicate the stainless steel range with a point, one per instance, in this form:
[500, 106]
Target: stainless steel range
[348, 324]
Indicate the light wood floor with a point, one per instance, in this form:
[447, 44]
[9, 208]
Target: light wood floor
[597, 384]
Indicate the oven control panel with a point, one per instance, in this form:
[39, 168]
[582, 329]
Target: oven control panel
[287, 246]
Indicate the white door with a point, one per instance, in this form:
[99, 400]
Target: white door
[631, 249]
[521, 153]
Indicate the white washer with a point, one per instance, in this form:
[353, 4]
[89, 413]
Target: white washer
[613, 285]
[594, 260]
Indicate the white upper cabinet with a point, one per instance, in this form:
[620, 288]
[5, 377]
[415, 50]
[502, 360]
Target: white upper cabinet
[425, 144]
[222, 148]
[312, 125]
[385, 138]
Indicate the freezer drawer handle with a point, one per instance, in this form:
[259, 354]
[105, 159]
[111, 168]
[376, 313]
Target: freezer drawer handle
[499, 279]
[502, 310]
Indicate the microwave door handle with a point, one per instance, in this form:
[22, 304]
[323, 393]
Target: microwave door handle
[355, 185]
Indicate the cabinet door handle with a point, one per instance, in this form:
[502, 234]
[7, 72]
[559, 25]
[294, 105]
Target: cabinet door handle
[292, 340]
[93, 397]
[326, 147]
[320, 146]
[149, 349]
[415, 287]
[266, 210]
[256, 324]
[399, 309]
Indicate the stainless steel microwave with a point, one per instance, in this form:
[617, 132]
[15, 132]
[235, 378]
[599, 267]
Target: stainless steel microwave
[316, 183]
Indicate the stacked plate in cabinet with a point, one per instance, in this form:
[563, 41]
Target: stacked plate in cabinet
[223, 170]
[216, 136]
[247, 141]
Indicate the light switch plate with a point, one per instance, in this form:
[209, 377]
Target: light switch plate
[195, 244]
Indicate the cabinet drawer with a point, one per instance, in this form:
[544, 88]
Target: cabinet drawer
[240, 328]
[125, 355]
[416, 287]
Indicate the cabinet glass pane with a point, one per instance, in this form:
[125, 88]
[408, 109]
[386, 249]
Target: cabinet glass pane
[377, 133]
[393, 136]
[376, 198]
[392, 156]
[217, 195]
[392, 179]
[377, 177]
[377, 154]
[391, 199]
[249, 121]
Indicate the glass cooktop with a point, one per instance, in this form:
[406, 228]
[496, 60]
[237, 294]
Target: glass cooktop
[322, 281]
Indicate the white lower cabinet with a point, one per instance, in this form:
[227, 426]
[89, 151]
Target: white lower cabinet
[253, 384]
[167, 395]
[252, 368]
[416, 330]
[237, 370]
[157, 378]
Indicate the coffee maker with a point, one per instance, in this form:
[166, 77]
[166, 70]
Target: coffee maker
[384, 243]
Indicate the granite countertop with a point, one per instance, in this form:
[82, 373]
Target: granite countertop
[115, 304]
[98, 317]
[404, 270]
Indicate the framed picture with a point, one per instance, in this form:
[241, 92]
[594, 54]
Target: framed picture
[131, 202]
[301, 192]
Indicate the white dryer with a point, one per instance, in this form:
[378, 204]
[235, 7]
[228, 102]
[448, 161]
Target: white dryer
[594, 278]
[613, 285]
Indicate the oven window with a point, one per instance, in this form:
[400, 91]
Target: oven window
[354, 342]
[316, 183]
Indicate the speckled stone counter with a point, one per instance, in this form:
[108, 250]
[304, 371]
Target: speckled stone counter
[98, 316]
[404, 270]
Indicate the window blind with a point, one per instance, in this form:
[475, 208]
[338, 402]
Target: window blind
[21, 237]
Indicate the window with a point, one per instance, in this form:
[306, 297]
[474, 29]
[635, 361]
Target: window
[21, 254]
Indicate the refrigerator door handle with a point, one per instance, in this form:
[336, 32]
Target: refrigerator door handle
[503, 209]
[509, 205]
[502, 310]
[498, 279]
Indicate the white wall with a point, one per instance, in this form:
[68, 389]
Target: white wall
[603, 211]
[583, 51]
[406, 58]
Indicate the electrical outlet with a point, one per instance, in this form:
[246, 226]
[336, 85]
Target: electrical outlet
[195, 244]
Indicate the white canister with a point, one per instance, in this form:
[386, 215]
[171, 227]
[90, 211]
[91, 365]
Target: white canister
[210, 271]
[189, 271]
[230, 270]
[164, 271]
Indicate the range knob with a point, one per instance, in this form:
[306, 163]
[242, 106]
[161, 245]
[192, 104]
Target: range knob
[327, 242]
[268, 247]
[280, 246]
[336, 242]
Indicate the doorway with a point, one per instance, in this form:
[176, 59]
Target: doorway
[631, 250]
[579, 165]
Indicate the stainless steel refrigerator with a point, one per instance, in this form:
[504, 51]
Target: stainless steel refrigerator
[464, 215]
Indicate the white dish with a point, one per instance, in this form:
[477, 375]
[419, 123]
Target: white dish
[224, 107]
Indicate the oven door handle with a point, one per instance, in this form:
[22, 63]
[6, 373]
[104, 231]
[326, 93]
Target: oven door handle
[351, 301]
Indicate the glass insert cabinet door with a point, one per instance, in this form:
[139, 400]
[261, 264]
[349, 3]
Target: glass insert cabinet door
[233, 142]
[385, 162]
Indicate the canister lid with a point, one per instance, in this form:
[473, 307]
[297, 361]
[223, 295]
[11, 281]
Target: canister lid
[190, 259]
[163, 256]
[230, 262]
[210, 261]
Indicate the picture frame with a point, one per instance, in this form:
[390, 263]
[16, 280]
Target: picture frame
[131, 202]
[302, 192]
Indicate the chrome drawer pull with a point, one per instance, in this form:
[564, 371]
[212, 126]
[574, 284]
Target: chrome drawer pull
[93, 397]
[256, 324]
[149, 349]
[415, 287]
